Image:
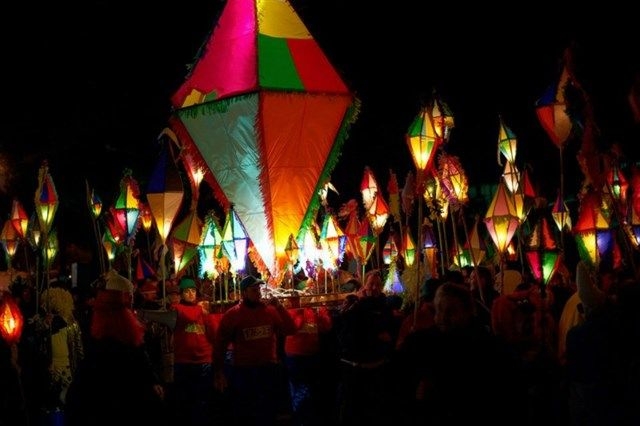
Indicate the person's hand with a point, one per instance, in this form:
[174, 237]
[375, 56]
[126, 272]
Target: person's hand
[205, 305]
[159, 391]
[274, 301]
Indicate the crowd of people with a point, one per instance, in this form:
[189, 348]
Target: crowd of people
[467, 350]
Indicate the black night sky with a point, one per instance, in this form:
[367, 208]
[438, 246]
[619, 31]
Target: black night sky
[87, 85]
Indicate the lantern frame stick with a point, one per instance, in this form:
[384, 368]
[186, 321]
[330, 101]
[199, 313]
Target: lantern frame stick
[442, 245]
[455, 239]
[472, 254]
[418, 263]
[562, 194]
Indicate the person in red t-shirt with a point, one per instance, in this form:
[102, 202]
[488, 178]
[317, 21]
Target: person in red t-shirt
[193, 337]
[250, 331]
[304, 361]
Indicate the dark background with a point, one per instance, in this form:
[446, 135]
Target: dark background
[87, 86]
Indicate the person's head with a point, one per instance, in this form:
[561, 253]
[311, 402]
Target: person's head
[149, 290]
[188, 290]
[173, 293]
[453, 307]
[59, 301]
[120, 288]
[113, 316]
[373, 284]
[428, 289]
[250, 290]
[481, 277]
[454, 276]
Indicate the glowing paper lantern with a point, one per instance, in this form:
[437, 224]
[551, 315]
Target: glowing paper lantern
[461, 256]
[423, 142]
[110, 245]
[185, 240]
[165, 192]
[507, 143]
[11, 319]
[560, 214]
[51, 249]
[143, 270]
[368, 188]
[511, 176]
[633, 226]
[146, 217]
[367, 240]
[392, 282]
[618, 184]
[268, 115]
[9, 239]
[46, 199]
[115, 228]
[126, 209]
[292, 249]
[541, 253]
[592, 233]
[351, 232]
[501, 218]
[235, 241]
[333, 236]
[476, 246]
[408, 248]
[34, 234]
[378, 214]
[551, 110]
[19, 219]
[543, 265]
[389, 251]
[453, 180]
[95, 203]
[209, 247]
[430, 249]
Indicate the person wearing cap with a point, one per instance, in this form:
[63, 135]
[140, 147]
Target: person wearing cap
[192, 330]
[251, 331]
[193, 338]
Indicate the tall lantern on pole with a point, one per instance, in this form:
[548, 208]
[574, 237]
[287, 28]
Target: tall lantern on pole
[423, 143]
[542, 254]
[11, 319]
[235, 244]
[127, 212]
[94, 203]
[9, 239]
[46, 205]
[501, 220]
[292, 250]
[165, 193]
[592, 232]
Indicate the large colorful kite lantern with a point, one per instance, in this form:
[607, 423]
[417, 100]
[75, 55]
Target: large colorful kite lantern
[267, 114]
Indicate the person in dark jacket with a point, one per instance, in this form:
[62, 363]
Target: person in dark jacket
[461, 373]
[365, 331]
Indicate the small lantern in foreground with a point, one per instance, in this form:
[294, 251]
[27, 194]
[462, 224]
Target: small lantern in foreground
[11, 319]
